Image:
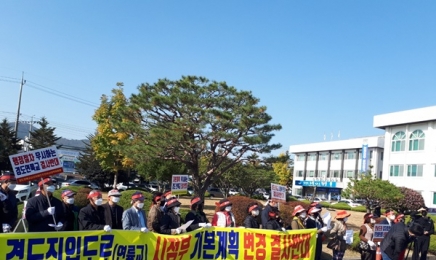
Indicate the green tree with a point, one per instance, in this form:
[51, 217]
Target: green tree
[8, 145]
[283, 170]
[160, 170]
[372, 189]
[193, 117]
[412, 200]
[43, 136]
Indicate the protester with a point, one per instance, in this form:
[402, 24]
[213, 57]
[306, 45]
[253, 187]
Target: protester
[338, 232]
[399, 218]
[390, 217]
[422, 243]
[8, 201]
[197, 215]
[167, 196]
[224, 217]
[253, 213]
[71, 212]
[45, 213]
[272, 223]
[172, 221]
[134, 218]
[270, 205]
[112, 211]
[299, 216]
[155, 215]
[366, 235]
[313, 222]
[397, 239]
[318, 205]
[92, 217]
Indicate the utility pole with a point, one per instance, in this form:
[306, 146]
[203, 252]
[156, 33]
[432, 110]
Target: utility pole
[19, 104]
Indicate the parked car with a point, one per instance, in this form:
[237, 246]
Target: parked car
[121, 186]
[76, 182]
[190, 190]
[215, 192]
[348, 202]
[317, 199]
[153, 187]
[233, 192]
[24, 192]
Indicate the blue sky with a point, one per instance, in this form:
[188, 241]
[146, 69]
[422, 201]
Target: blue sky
[319, 66]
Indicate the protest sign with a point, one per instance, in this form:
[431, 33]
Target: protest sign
[380, 230]
[278, 192]
[36, 164]
[210, 243]
[179, 184]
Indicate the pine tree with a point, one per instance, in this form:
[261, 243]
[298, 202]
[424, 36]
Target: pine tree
[8, 145]
[43, 136]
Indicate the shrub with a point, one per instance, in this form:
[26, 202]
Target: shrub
[80, 199]
[287, 208]
[126, 198]
[258, 197]
[359, 209]
[341, 206]
[239, 208]
[412, 200]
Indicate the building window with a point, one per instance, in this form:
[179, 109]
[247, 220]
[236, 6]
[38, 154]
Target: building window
[434, 198]
[350, 155]
[301, 157]
[396, 171]
[416, 142]
[300, 174]
[434, 170]
[350, 174]
[336, 156]
[414, 170]
[323, 174]
[370, 154]
[398, 141]
[334, 174]
[381, 156]
[322, 156]
[311, 174]
[312, 157]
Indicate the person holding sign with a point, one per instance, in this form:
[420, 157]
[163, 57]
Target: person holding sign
[224, 217]
[253, 213]
[338, 232]
[272, 223]
[92, 216]
[171, 221]
[368, 247]
[134, 218]
[271, 205]
[45, 213]
[313, 222]
[8, 201]
[71, 212]
[197, 215]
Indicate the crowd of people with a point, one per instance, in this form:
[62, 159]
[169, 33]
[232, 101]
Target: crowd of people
[45, 213]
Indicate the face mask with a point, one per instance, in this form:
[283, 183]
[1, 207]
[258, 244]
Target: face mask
[303, 215]
[70, 200]
[255, 212]
[228, 208]
[140, 205]
[51, 188]
[176, 210]
[98, 202]
[115, 199]
[11, 186]
[392, 217]
[345, 219]
[372, 220]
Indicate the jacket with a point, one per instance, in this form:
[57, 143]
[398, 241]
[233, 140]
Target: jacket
[198, 217]
[251, 222]
[9, 209]
[272, 224]
[223, 219]
[170, 223]
[71, 213]
[297, 223]
[37, 215]
[91, 218]
[131, 219]
[115, 223]
[396, 240]
[154, 220]
[426, 223]
[264, 215]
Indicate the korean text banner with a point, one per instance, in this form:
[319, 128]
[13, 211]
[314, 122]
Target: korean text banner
[278, 192]
[211, 243]
[36, 164]
[179, 184]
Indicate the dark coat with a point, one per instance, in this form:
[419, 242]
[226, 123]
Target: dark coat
[170, 222]
[251, 222]
[71, 214]
[264, 215]
[116, 223]
[396, 240]
[37, 215]
[9, 209]
[272, 224]
[198, 217]
[91, 218]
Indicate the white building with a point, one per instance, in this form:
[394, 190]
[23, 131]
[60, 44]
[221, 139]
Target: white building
[328, 166]
[410, 154]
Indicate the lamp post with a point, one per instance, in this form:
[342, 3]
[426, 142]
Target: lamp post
[19, 104]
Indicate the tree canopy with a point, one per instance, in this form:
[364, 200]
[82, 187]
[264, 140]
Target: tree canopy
[192, 118]
[43, 136]
[8, 145]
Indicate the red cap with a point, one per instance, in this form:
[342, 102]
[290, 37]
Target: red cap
[298, 209]
[93, 194]
[7, 177]
[252, 208]
[45, 181]
[67, 193]
[272, 213]
[138, 196]
[195, 200]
